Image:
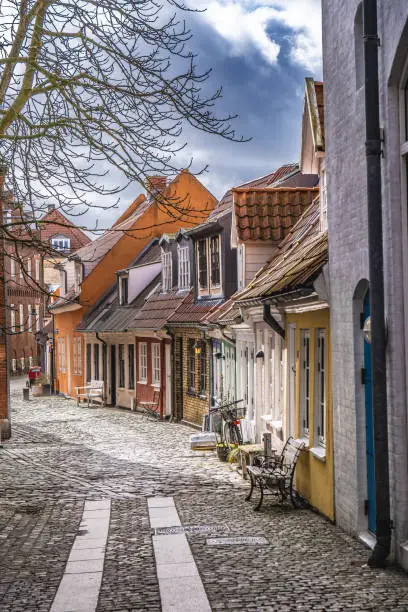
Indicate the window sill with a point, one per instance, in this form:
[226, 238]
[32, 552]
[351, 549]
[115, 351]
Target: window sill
[305, 441]
[156, 385]
[142, 382]
[319, 452]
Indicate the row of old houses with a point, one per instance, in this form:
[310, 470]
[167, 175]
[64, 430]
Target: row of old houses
[228, 303]
[264, 296]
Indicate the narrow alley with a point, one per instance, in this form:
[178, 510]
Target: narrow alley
[61, 457]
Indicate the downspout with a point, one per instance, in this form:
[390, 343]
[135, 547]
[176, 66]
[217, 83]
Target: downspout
[173, 373]
[376, 269]
[162, 377]
[106, 363]
[271, 321]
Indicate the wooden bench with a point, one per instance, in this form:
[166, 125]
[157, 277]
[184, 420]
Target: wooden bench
[91, 392]
[276, 474]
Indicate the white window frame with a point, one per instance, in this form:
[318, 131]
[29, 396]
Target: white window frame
[304, 379]
[183, 267]
[30, 319]
[61, 243]
[29, 267]
[30, 361]
[21, 317]
[14, 364]
[167, 271]
[320, 394]
[21, 267]
[22, 363]
[37, 317]
[12, 267]
[37, 270]
[142, 359]
[12, 318]
[156, 365]
[210, 288]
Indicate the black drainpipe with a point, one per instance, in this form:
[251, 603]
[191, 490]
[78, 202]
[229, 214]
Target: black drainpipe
[173, 374]
[104, 365]
[376, 267]
[271, 321]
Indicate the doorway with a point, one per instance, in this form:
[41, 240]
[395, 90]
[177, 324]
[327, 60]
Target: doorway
[113, 374]
[369, 425]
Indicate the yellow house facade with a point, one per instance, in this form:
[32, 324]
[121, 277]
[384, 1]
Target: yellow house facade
[309, 333]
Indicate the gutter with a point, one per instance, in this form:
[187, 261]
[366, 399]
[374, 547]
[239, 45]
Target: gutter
[271, 321]
[376, 273]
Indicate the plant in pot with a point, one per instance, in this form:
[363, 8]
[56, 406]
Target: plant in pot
[223, 450]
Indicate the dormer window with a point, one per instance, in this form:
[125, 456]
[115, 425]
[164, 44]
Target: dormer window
[323, 201]
[209, 265]
[183, 267]
[61, 243]
[123, 290]
[167, 275]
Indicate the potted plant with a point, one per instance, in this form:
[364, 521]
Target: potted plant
[223, 450]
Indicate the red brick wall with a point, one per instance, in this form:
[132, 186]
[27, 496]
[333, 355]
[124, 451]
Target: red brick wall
[4, 395]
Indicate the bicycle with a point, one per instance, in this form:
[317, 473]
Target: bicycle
[231, 431]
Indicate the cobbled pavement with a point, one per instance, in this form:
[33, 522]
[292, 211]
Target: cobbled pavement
[61, 455]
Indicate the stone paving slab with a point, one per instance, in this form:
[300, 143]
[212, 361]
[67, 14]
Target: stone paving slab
[62, 461]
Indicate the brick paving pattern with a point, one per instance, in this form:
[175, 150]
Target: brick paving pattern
[61, 455]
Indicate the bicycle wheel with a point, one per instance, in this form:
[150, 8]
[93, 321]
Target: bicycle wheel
[232, 434]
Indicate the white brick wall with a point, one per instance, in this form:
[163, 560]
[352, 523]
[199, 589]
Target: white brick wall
[347, 219]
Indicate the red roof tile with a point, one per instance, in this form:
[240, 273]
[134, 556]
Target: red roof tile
[269, 214]
[300, 256]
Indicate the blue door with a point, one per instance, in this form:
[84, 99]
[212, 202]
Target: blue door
[369, 426]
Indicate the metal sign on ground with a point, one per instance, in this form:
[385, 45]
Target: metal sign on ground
[190, 529]
[238, 541]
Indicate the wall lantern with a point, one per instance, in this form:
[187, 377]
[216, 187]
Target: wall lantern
[197, 347]
[219, 355]
[260, 355]
[367, 330]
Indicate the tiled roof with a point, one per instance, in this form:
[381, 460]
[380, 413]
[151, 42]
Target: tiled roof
[190, 311]
[277, 175]
[269, 214]
[222, 313]
[300, 257]
[93, 253]
[158, 310]
[54, 222]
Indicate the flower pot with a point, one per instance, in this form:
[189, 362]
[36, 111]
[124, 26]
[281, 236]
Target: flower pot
[223, 452]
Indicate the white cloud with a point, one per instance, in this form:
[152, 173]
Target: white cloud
[244, 24]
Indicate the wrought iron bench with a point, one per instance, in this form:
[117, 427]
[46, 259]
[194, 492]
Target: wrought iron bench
[95, 390]
[150, 409]
[276, 474]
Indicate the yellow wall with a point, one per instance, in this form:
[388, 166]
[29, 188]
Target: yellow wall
[314, 477]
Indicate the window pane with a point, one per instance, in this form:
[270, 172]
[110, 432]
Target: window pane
[304, 381]
[88, 362]
[215, 260]
[202, 263]
[121, 365]
[191, 365]
[131, 365]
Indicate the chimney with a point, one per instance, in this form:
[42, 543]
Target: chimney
[154, 185]
[51, 207]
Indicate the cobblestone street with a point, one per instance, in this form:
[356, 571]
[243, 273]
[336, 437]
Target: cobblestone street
[61, 456]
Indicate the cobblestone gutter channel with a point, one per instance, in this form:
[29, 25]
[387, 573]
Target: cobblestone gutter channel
[60, 456]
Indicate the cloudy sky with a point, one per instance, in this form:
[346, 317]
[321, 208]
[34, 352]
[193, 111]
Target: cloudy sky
[260, 52]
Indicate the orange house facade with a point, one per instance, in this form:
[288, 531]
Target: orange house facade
[88, 274]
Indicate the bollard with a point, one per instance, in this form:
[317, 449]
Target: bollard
[26, 393]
